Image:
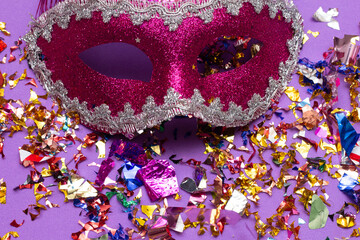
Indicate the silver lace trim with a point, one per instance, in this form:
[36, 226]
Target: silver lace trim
[127, 122]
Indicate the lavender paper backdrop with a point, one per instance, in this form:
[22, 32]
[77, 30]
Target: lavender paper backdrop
[59, 223]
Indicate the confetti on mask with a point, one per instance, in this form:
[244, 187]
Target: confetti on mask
[226, 53]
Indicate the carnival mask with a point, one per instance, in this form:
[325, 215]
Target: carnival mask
[174, 35]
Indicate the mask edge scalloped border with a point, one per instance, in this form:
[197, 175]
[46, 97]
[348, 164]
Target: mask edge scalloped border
[126, 122]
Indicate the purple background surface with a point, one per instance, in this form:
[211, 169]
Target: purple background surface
[59, 223]
[118, 60]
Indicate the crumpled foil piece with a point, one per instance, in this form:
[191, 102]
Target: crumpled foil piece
[346, 49]
[159, 179]
[133, 152]
[328, 17]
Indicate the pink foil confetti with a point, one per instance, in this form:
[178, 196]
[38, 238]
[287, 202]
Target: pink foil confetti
[105, 168]
[159, 179]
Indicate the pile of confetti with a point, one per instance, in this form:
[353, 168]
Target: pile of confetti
[228, 184]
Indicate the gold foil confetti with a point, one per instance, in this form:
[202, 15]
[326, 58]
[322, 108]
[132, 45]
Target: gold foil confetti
[315, 34]
[345, 221]
[2, 191]
[293, 94]
[13, 82]
[4, 31]
[100, 146]
[148, 210]
[8, 235]
[330, 148]
[303, 148]
[305, 38]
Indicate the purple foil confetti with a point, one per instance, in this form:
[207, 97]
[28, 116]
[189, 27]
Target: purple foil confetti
[132, 152]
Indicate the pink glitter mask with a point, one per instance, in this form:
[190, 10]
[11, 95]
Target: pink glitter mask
[172, 35]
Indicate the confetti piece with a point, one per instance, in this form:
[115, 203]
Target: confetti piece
[345, 221]
[4, 31]
[328, 17]
[315, 34]
[159, 230]
[2, 191]
[15, 224]
[188, 185]
[129, 151]
[2, 45]
[237, 202]
[77, 187]
[301, 221]
[347, 183]
[293, 94]
[100, 146]
[346, 49]
[104, 170]
[148, 210]
[323, 131]
[12, 58]
[179, 226]
[8, 235]
[13, 83]
[303, 148]
[318, 214]
[305, 38]
[310, 118]
[121, 198]
[129, 170]
[348, 135]
[159, 179]
[330, 148]
[27, 158]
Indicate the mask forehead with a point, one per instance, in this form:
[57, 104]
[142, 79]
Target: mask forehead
[173, 54]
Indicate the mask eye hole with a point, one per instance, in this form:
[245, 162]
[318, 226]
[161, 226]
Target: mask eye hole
[118, 60]
[226, 53]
